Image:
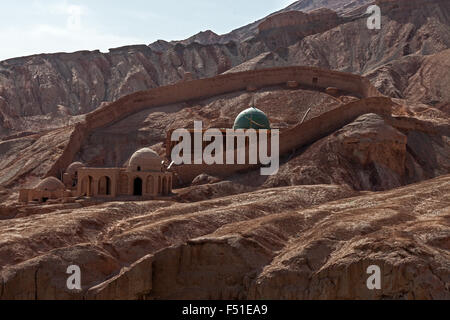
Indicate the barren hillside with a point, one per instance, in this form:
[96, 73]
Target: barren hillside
[364, 177]
[299, 242]
[41, 85]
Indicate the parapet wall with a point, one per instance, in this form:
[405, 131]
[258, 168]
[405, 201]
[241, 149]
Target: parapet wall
[206, 88]
[222, 84]
[328, 122]
[298, 136]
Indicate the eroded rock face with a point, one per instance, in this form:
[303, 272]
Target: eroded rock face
[308, 232]
[32, 88]
[24, 160]
[370, 142]
[294, 249]
[371, 153]
[279, 29]
[283, 243]
[204, 179]
[411, 77]
[341, 6]
[320, 253]
[121, 234]
[212, 190]
[360, 50]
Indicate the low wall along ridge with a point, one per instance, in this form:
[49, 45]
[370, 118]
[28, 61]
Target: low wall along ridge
[210, 87]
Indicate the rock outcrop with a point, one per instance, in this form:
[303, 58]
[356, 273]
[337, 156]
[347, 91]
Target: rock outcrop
[411, 77]
[283, 243]
[35, 86]
[305, 24]
[363, 179]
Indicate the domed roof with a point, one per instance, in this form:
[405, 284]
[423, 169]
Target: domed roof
[145, 160]
[73, 168]
[252, 118]
[50, 184]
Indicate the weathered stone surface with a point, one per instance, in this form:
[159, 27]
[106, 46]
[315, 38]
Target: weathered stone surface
[293, 244]
[370, 153]
[130, 284]
[33, 88]
[415, 77]
[322, 252]
[204, 179]
[103, 239]
[308, 232]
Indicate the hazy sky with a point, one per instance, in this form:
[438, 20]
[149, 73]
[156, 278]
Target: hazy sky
[45, 26]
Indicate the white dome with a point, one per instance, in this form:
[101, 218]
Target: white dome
[73, 168]
[50, 184]
[145, 160]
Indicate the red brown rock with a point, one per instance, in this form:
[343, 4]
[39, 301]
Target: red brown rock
[32, 87]
[363, 181]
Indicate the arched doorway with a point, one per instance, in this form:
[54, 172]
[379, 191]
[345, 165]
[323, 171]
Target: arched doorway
[104, 186]
[137, 190]
[87, 186]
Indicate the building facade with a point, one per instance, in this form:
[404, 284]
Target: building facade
[143, 176]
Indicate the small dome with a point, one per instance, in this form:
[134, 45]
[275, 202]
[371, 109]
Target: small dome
[50, 184]
[252, 118]
[73, 168]
[145, 160]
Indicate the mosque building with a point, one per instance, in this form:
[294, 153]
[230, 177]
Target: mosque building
[144, 175]
[251, 118]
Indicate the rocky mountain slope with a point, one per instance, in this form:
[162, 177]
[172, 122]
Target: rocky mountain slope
[374, 192]
[77, 83]
[391, 154]
[305, 233]
[302, 242]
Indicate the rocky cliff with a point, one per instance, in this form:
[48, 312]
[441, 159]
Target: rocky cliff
[364, 180]
[302, 242]
[305, 23]
[80, 82]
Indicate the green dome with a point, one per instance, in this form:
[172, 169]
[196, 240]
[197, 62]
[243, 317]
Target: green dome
[252, 118]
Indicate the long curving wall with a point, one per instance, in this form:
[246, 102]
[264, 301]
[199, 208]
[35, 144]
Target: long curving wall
[205, 88]
[297, 137]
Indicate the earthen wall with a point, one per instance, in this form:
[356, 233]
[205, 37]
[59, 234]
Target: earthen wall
[205, 88]
[298, 136]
